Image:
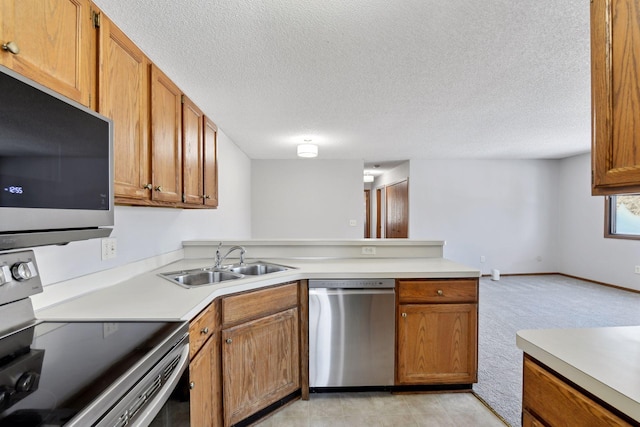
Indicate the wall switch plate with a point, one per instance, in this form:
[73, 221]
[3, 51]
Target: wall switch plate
[637, 269]
[353, 222]
[482, 258]
[109, 248]
[368, 250]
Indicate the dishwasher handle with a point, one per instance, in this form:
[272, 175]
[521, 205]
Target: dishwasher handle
[332, 291]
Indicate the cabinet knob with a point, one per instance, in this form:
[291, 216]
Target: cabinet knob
[229, 341]
[440, 293]
[11, 47]
[147, 187]
[159, 188]
[192, 385]
[204, 331]
[404, 315]
[206, 196]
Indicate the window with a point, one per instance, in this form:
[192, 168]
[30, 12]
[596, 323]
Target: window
[623, 216]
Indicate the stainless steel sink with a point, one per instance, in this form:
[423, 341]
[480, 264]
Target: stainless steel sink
[257, 268]
[200, 277]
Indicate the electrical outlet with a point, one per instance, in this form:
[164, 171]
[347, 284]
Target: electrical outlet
[108, 328]
[637, 269]
[353, 222]
[483, 258]
[368, 250]
[109, 248]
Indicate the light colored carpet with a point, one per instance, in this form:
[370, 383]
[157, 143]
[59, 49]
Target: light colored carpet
[536, 302]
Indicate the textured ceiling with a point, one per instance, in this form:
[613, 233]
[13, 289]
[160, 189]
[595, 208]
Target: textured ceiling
[378, 80]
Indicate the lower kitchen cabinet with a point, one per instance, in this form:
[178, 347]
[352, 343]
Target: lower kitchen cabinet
[261, 364]
[437, 332]
[204, 386]
[260, 349]
[547, 399]
[205, 394]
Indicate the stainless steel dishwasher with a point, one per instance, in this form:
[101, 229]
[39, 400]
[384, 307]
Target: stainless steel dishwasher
[351, 333]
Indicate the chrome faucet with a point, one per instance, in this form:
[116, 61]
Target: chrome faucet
[220, 258]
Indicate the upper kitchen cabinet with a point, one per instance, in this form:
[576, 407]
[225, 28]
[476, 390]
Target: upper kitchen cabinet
[50, 41]
[210, 163]
[166, 138]
[615, 55]
[192, 153]
[123, 96]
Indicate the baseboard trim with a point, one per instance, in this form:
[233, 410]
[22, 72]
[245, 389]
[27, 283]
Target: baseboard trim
[609, 285]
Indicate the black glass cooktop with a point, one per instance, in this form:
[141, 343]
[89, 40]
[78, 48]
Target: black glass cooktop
[51, 371]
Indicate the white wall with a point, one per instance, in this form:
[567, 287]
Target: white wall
[307, 198]
[583, 250]
[505, 210]
[143, 232]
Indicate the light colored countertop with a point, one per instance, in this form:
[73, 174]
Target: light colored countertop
[149, 297]
[604, 361]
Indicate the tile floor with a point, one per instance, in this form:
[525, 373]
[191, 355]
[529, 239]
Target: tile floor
[384, 409]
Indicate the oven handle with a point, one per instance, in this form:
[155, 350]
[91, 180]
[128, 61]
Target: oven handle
[152, 409]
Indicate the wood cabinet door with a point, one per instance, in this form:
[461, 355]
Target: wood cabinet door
[123, 96]
[210, 163]
[192, 153]
[166, 138]
[54, 38]
[615, 95]
[437, 344]
[260, 364]
[205, 394]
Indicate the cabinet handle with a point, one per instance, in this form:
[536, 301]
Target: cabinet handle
[204, 331]
[229, 341]
[440, 293]
[192, 385]
[404, 315]
[147, 187]
[11, 47]
[159, 188]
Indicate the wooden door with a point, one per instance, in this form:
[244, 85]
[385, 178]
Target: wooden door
[192, 153]
[260, 364]
[615, 96]
[210, 163]
[123, 96]
[166, 138]
[54, 39]
[397, 210]
[437, 344]
[203, 370]
[367, 214]
[379, 213]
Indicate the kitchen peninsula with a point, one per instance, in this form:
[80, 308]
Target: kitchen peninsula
[232, 323]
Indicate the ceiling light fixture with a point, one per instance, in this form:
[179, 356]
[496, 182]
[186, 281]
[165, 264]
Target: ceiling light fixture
[368, 178]
[307, 149]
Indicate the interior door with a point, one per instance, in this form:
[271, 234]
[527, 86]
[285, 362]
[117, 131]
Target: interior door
[397, 210]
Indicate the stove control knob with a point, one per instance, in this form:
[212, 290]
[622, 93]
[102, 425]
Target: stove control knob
[5, 395]
[26, 381]
[24, 271]
[5, 276]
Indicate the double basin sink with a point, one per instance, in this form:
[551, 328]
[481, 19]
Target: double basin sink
[213, 275]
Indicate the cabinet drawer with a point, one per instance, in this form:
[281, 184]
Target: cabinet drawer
[201, 328]
[251, 305]
[557, 403]
[438, 291]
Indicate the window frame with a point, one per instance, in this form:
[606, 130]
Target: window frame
[609, 219]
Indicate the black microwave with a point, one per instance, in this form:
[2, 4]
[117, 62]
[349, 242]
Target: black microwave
[56, 167]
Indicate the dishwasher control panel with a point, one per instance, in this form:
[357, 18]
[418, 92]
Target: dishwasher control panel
[352, 283]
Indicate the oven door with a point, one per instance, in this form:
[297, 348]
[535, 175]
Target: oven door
[176, 410]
